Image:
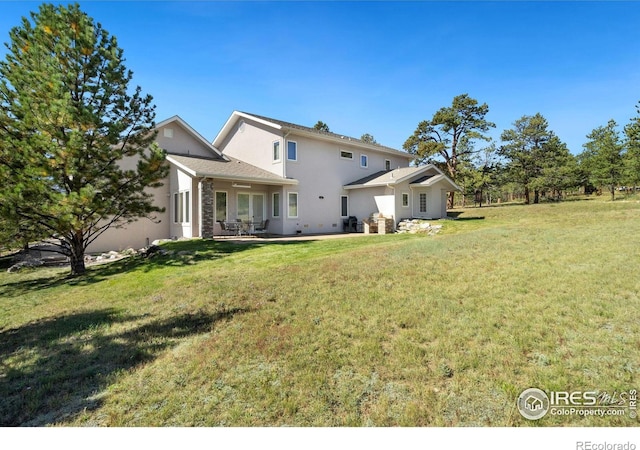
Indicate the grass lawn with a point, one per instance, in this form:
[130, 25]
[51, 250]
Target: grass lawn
[394, 330]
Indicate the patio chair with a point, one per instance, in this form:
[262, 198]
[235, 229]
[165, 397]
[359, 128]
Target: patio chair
[262, 228]
[224, 227]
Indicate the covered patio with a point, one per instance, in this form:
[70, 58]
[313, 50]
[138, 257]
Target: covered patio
[231, 197]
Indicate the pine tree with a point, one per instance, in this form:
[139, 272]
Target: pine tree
[603, 157]
[76, 145]
[462, 122]
[632, 154]
[536, 158]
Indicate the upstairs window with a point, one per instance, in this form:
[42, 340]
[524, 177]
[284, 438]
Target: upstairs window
[364, 161]
[276, 151]
[387, 164]
[292, 151]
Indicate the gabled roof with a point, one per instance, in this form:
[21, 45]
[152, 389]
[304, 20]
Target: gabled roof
[231, 169]
[192, 132]
[430, 175]
[301, 129]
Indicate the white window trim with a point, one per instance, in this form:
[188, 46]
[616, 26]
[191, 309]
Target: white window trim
[296, 144]
[297, 205]
[426, 200]
[226, 207]
[387, 162]
[366, 166]
[341, 197]
[340, 152]
[273, 144]
[408, 199]
[273, 205]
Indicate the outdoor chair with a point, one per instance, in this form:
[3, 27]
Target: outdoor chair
[262, 228]
[223, 227]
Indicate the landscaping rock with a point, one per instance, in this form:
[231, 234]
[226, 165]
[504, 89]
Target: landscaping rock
[414, 226]
[26, 263]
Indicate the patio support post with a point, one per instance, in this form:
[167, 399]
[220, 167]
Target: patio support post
[207, 202]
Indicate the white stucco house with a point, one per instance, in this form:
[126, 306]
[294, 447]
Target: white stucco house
[301, 179]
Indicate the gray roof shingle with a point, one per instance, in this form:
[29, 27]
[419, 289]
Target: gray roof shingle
[233, 169]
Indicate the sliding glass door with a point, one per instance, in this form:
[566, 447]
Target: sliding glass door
[251, 207]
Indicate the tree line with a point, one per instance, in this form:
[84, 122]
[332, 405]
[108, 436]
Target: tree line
[530, 161]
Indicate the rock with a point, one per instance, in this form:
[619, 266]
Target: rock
[27, 263]
[160, 241]
[414, 226]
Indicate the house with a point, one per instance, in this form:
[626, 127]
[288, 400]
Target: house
[303, 180]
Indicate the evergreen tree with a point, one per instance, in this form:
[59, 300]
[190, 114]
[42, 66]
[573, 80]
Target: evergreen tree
[368, 138]
[463, 121]
[321, 126]
[632, 154]
[603, 158]
[536, 158]
[76, 146]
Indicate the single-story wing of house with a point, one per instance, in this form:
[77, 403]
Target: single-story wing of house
[299, 179]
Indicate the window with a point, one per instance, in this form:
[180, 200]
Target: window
[221, 206]
[405, 200]
[364, 161]
[276, 204]
[177, 208]
[168, 132]
[346, 155]
[387, 164]
[181, 207]
[187, 205]
[292, 211]
[276, 151]
[292, 151]
[344, 206]
[423, 202]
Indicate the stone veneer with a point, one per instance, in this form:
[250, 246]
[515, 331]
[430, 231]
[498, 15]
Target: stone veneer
[208, 203]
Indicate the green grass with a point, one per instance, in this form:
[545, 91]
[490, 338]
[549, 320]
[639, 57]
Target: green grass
[396, 330]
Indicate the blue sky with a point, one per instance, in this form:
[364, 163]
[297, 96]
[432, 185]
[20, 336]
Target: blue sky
[377, 67]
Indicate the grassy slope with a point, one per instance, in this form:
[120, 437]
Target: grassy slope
[381, 330]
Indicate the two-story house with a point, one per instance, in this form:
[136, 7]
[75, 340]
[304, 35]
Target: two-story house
[301, 179]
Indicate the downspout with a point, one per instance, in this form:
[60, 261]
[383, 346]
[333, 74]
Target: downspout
[200, 217]
[411, 201]
[394, 203]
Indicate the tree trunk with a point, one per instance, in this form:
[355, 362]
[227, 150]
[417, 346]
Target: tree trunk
[536, 196]
[526, 195]
[77, 256]
[613, 192]
[450, 199]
